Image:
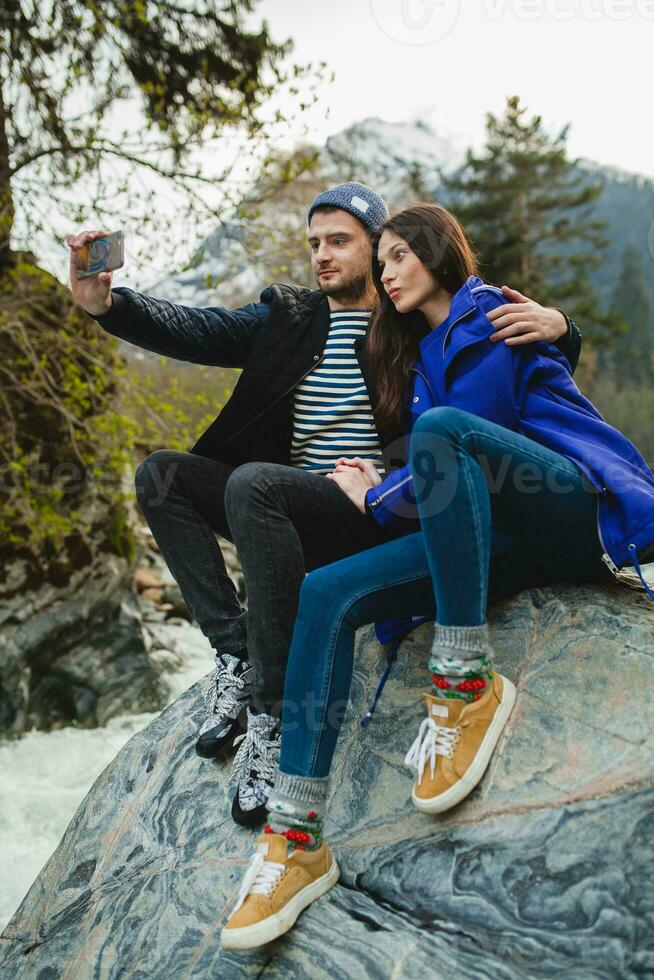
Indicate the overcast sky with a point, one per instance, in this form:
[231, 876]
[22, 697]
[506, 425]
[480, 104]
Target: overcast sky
[449, 62]
[587, 62]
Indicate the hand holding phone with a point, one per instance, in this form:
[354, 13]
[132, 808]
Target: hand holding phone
[93, 256]
[103, 254]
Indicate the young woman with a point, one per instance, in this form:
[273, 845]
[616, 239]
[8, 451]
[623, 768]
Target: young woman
[517, 482]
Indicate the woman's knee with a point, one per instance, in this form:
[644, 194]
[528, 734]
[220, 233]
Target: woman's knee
[445, 421]
[317, 587]
[328, 590]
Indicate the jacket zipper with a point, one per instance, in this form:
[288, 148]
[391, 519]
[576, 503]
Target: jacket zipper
[450, 328]
[408, 478]
[390, 490]
[606, 558]
[424, 378]
[278, 399]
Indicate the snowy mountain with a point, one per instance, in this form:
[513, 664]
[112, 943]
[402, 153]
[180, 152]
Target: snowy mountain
[400, 160]
[385, 155]
[403, 162]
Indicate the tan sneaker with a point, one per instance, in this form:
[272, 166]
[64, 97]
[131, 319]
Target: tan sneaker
[277, 886]
[455, 743]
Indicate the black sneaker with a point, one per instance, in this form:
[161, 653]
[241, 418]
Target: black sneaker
[227, 699]
[255, 767]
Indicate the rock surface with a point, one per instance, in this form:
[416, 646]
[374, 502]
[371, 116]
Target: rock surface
[76, 652]
[87, 651]
[545, 870]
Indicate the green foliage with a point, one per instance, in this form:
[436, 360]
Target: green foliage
[527, 210]
[192, 65]
[628, 406]
[632, 361]
[120, 538]
[71, 411]
[626, 206]
[170, 403]
[72, 415]
[62, 447]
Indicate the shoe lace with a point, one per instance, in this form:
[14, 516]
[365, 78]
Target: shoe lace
[258, 753]
[226, 688]
[432, 740]
[260, 878]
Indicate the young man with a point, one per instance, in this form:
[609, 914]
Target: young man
[302, 401]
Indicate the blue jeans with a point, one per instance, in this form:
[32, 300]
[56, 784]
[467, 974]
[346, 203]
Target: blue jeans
[469, 474]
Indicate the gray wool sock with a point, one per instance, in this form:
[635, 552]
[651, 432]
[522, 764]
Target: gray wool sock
[461, 661]
[296, 810]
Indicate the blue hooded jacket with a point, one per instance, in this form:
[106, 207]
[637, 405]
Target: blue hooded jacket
[530, 390]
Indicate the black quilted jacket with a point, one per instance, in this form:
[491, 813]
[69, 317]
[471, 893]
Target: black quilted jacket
[276, 341]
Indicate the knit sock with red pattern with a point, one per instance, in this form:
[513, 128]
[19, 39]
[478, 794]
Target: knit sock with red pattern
[461, 662]
[296, 809]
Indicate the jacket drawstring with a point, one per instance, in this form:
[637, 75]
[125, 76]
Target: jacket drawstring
[416, 620]
[392, 657]
[634, 554]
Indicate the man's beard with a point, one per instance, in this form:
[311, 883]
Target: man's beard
[350, 289]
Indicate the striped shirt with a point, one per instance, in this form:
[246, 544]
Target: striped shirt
[332, 416]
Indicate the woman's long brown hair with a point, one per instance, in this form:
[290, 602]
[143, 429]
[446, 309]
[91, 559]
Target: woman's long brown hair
[440, 243]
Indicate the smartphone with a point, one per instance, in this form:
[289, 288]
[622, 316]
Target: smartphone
[102, 255]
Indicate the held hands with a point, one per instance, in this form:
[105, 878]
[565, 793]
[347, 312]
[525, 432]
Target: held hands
[523, 321]
[355, 477]
[93, 293]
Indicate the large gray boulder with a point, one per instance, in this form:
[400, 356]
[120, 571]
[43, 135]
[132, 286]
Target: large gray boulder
[545, 870]
[77, 652]
[63, 648]
[93, 648]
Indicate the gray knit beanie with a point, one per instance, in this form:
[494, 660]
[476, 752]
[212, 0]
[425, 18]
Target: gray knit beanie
[358, 200]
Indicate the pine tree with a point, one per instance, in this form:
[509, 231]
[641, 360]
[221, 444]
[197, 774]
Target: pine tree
[527, 209]
[633, 360]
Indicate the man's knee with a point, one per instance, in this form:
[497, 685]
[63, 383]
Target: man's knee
[155, 476]
[249, 482]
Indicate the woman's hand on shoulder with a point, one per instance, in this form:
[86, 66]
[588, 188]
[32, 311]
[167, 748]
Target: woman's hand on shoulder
[524, 321]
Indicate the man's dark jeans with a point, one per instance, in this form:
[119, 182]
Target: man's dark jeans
[284, 522]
